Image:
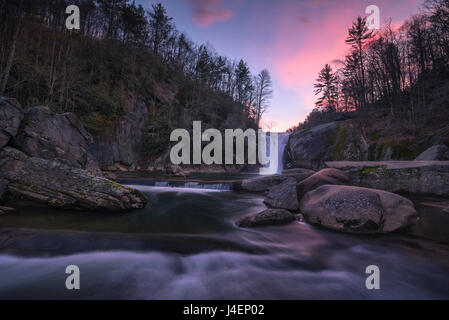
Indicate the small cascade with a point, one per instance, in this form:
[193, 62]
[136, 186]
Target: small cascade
[174, 184]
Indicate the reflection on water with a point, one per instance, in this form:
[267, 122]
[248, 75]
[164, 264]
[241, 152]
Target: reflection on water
[185, 245]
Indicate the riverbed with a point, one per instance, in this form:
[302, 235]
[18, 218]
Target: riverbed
[185, 245]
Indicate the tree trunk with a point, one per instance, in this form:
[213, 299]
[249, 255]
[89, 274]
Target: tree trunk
[10, 60]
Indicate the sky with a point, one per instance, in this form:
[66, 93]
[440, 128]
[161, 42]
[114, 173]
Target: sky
[293, 39]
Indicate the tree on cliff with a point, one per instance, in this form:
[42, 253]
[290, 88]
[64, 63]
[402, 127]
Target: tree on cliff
[327, 86]
[161, 26]
[358, 35]
[264, 92]
[400, 73]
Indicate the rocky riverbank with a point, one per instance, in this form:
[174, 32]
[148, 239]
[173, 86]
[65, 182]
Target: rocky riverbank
[46, 158]
[350, 196]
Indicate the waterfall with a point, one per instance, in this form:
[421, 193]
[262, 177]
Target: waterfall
[283, 141]
[282, 144]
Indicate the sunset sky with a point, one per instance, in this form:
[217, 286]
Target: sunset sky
[293, 39]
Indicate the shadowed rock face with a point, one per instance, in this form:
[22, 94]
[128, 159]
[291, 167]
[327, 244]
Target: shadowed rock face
[47, 135]
[343, 140]
[283, 196]
[357, 210]
[11, 115]
[267, 218]
[439, 153]
[122, 141]
[60, 186]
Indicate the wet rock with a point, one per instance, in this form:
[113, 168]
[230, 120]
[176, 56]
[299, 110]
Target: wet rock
[11, 115]
[267, 218]
[438, 153]
[422, 178]
[283, 196]
[60, 186]
[357, 210]
[325, 176]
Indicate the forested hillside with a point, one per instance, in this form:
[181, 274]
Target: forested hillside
[395, 81]
[123, 53]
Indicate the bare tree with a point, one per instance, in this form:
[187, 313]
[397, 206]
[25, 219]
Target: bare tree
[264, 93]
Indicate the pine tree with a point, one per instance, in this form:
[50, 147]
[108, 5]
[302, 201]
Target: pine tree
[161, 26]
[359, 34]
[327, 86]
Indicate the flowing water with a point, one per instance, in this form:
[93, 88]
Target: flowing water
[185, 245]
[282, 142]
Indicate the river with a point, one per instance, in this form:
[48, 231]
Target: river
[185, 245]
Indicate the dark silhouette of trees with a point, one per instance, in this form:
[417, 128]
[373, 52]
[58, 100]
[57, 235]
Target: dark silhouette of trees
[358, 35]
[123, 52]
[264, 93]
[327, 86]
[161, 27]
[399, 73]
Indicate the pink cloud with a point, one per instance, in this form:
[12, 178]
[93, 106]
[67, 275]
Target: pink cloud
[302, 49]
[208, 12]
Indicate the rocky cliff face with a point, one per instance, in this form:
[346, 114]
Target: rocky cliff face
[43, 157]
[47, 135]
[120, 144]
[351, 140]
[310, 148]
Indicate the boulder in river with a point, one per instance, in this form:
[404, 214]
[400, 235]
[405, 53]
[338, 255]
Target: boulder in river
[267, 218]
[357, 210]
[61, 186]
[421, 178]
[439, 153]
[11, 115]
[325, 176]
[283, 196]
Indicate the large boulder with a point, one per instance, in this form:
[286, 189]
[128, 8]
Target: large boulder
[48, 135]
[11, 115]
[267, 218]
[122, 141]
[310, 148]
[283, 196]
[438, 153]
[325, 176]
[265, 183]
[357, 210]
[61, 186]
[421, 178]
